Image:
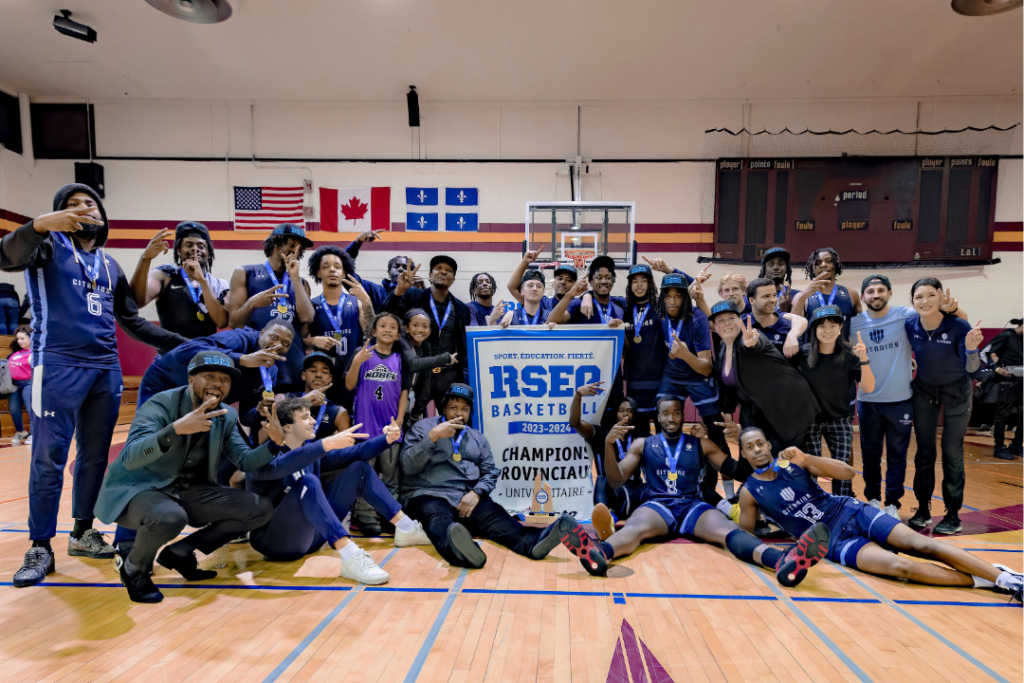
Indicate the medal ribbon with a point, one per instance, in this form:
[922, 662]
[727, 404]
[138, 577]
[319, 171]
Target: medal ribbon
[447, 312]
[671, 459]
[668, 332]
[319, 419]
[536, 318]
[289, 287]
[333, 316]
[457, 442]
[267, 384]
[91, 273]
[774, 465]
[831, 298]
[639, 317]
[618, 445]
[193, 294]
[605, 313]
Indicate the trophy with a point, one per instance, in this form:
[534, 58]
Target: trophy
[541, 507]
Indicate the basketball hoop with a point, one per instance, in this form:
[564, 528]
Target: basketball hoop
[580, 258]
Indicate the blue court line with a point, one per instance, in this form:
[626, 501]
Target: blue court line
[908, 488]
[421, 656]
[619, 598]
[836, 650]
[389, 589]
[493, 591]
[300, 648]
[938, 636]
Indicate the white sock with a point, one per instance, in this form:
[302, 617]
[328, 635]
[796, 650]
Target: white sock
[349, 551]
[406, 525]
[728, 485]
[985, 583]
[725, 507]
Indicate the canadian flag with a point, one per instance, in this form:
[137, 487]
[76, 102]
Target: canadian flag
[355, 209]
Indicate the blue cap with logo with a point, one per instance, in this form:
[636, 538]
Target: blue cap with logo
[640, 269]
[723, 307]
[673, 280]
[823, 312]
[213, 360]
[459, 390]
[294, 231]
[317, 356]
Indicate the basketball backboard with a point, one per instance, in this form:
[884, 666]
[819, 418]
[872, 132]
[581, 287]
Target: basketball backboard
[566, 229]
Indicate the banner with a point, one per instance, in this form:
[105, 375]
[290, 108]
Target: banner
[524, 380]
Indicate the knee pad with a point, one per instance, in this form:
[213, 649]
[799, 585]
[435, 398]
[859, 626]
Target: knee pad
[742, 545]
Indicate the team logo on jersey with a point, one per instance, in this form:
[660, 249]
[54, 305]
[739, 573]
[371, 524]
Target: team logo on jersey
[876, 335]
[381, 373]
[776, 337]
[788, 494]
[944, 335]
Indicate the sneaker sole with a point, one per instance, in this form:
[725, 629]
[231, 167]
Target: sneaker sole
[465, 546]
[601, 519]
[918, 524]
[811, 548]
[92, 556]
[376, 582]
[589, 555]
[948, 532]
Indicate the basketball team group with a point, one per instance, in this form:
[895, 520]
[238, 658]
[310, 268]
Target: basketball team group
[354, 408]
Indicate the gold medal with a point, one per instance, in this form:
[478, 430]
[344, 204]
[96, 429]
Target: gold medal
[268, 395]
[437, 371]
[637, 339]
[282, 308]
[672, 476]
[783, 463]
[337, 336]
[199, 314]
[456, 457]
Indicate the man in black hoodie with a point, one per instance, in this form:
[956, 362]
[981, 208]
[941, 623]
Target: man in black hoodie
[77, 292]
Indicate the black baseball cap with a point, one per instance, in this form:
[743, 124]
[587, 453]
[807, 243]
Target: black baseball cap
[877, 278]
[185, 228]
[294, 231]
[673, 280]
[563, 267]
[213, 360]
[826, 312]
[640, 269]
[459, 390]
[722, 307]
[318, 356]
[444, 258]
[601, 262]
[773, 252]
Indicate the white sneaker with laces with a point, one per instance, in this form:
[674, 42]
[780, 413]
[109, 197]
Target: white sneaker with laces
[18, 438]
[877, 504]
[417, 536]
[363, 569]
[893, 511]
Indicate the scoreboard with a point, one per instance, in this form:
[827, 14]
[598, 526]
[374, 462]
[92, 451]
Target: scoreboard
[872, 210]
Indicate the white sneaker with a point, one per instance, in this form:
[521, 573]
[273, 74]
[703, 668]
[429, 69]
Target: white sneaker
[363, 569]
[18, 438]
[893, 511]
[28, 440]
[877, 504]
[415, 537]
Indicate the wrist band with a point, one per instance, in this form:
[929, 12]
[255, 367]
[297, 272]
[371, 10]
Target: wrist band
[974, 351]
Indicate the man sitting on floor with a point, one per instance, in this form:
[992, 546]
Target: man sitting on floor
[863, 537]
[448, 473]
[166, 477]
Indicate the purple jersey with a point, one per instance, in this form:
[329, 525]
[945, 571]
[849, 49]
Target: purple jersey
[380, 387]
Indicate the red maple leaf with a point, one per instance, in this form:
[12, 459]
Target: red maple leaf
[354, 210]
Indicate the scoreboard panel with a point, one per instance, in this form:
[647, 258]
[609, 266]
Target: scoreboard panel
[870, 209]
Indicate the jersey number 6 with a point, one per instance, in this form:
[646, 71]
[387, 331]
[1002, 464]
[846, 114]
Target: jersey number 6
[94, 303]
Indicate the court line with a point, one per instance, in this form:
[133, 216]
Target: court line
[428, 644]
[836, 650]
[300, 648]
[935, 634]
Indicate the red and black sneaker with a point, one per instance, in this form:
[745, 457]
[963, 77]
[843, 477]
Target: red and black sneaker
[810, 549]
[591, 555]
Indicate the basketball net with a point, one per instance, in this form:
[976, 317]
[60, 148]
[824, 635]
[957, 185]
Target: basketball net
[580, 258]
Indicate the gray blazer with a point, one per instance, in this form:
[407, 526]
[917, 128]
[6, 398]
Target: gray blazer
[154, 453]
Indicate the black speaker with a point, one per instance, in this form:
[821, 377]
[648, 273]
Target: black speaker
[413, 100]
[90, 174]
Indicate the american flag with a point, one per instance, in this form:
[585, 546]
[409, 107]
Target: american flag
[263, 208]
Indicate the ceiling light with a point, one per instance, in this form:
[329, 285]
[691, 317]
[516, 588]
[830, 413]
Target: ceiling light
[73, 28]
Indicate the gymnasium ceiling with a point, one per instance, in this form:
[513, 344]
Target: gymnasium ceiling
[514, 50]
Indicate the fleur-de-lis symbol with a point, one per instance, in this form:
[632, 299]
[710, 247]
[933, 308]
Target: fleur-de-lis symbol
[422, 222]
[422, 196]
[461, 196]
[461, 223]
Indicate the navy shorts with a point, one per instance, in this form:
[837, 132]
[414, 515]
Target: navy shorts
[703, 393]
[680, 514]
[865, 526]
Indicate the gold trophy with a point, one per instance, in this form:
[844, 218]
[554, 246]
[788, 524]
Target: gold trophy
[541, 507]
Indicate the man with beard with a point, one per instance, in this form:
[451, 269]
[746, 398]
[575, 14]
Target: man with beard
[481, 292]
[165, 477]
[564, 278]
[450, 318]
[672, 463]
[77, 293]
[189, 299]
[783, 330]
[886, 414]
[274, 289]
[396, 266]
[775, 265]
[822, 269]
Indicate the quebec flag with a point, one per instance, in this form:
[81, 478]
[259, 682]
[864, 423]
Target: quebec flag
[462, 213]
[421, 208]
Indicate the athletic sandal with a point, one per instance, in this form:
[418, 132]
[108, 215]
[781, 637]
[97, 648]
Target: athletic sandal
[551, 536]
[590, 554]
[186, 565]
[465, 547]
[602, 521]
[810, 549]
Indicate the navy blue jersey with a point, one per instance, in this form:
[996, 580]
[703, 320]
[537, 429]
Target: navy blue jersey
[644, 360]
[521, 317]
[842, 300]
[696, 334]
[576, 317]
[346, 313]
[325, 427]
[256, 281]
[796, 502]
[478, 313]
[776, 333]
[689, 468]
[942, 354]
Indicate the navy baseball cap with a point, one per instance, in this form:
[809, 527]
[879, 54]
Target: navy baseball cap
[773, 252]
[566, 268]
[191, 227]
[213, 360]
[823, 312]
[459, 390]
[723, 307]
[640, 269]
[877, 278]
[673, 280]
[315, 356]
[444, 258]
[294, 231]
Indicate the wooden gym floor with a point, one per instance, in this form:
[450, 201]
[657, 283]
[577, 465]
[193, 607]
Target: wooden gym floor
[679, 611]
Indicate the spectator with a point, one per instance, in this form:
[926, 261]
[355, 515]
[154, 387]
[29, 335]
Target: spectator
[20, 365]
[1006, 351]
[9, 308]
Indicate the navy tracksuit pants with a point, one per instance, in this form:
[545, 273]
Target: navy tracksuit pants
[69, 402]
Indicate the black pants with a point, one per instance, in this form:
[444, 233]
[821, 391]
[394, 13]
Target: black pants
[489, 520]
[1008, 411]
[954, 401]
[158, 516]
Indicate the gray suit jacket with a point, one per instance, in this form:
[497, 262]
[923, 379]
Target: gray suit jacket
[154, 454]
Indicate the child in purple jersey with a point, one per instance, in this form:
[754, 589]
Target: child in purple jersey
[381, 382]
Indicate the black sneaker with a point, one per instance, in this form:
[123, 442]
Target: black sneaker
[810, 549]
[552, 536]
[1017, 450]
[140, 586]
[465, 547]
[590, 554]
[949, 525]
[1003, 453]
[38, 563]
[922, 519]
[186, 565]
